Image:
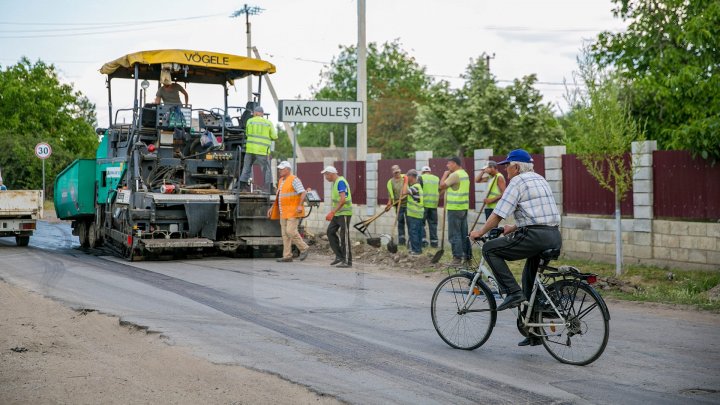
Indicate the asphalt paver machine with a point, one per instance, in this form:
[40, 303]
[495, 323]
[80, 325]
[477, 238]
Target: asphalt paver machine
[166, 183]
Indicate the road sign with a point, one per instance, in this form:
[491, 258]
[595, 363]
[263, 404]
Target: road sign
[43, 150]
[330, 112]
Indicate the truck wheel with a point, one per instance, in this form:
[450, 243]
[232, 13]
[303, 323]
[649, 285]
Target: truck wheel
[82, 231]
[22, 240]
[92, 235]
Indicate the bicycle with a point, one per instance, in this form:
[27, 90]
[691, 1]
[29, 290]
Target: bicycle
[564, 310]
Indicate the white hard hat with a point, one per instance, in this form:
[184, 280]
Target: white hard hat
[329, 169]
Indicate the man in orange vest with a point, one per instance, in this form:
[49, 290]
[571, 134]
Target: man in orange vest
[288, 208]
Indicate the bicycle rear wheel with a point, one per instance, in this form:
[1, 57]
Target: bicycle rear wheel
[460, 328]
[584, 336]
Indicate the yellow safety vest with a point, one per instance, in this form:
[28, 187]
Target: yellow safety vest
[391, 193]
[335, 198]
[260, 133]
[494, 190]
[415, 209]
[459, 200]
[430, 190]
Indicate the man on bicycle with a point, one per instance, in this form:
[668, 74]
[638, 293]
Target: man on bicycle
[529, 199]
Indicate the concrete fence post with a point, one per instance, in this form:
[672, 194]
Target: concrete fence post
[422, 158]
[642, 160]
[371, 181]
[481, 157]
[553, 172]
[328, 161]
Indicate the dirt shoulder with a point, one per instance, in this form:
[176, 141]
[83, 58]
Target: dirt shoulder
[52, 354]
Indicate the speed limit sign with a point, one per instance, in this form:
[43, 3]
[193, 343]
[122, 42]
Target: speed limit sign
[43, 150]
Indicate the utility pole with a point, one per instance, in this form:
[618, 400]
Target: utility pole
[289, 129]
[487, 58]
[362, 82]
[248, 11]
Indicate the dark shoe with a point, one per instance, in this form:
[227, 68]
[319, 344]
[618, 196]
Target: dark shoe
[456, 261]
[425, 243]
[401, 242]
[512, 300]
[284, 260]
[530, 341]
[434, 245]
[336, 261]
[415, 253]
[344, 266]
[303, 255]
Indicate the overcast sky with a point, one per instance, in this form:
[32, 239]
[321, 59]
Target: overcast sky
[301, 37]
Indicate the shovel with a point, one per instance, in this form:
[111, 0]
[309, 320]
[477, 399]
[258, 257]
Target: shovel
[439, 254]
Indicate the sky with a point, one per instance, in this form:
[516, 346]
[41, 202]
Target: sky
[301, 37]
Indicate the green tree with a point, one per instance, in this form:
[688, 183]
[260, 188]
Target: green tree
[669, 56]
[482, 114]
[600, 131]
[36, 107]
[396, 82]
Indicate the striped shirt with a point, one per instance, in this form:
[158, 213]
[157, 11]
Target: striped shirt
[297, 186]
[530, 200]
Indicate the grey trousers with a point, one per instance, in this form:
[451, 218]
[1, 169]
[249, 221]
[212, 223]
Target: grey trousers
[263, 162]
[525, 243]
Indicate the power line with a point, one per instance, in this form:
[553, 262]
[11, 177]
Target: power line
[104, 28]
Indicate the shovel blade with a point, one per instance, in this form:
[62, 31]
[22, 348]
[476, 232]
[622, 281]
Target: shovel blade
[438, 255]
[392, 247]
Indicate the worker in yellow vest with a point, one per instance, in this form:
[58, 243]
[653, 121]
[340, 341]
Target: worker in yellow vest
[338, 231]
[455, 182]
[260, 133]
[431, 195]
[288, 208]
[396, 187]
[415, 212]
[496, 186]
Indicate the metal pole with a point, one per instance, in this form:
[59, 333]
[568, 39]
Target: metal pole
[249, 48]
[295, 154]
[362, 82]
[288, 128]
[345, 154]
[43, 163]
[618, 235]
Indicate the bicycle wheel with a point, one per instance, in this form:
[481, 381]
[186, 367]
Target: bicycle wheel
[585, 334]
[460, 328]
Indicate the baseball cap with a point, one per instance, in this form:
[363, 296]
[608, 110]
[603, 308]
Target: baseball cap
[258, 109]
[456, 160]
[329, 169]
[396, 169]
[284, 165]
[425, 169]
[412, 172]
[517, 155]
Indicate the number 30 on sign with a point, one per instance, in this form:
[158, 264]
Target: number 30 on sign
[43, 150]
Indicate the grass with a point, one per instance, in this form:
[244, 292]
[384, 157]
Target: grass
[647, 283]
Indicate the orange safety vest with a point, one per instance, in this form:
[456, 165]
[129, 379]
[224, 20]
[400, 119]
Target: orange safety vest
[289, 199]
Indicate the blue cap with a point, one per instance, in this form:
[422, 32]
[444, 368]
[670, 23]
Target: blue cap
[517, 155]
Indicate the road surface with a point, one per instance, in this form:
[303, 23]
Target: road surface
[362, 335]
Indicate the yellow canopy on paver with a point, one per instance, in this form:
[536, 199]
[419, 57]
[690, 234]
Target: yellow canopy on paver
[192, 66]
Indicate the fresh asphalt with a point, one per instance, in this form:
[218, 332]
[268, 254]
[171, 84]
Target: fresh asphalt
[363, 337]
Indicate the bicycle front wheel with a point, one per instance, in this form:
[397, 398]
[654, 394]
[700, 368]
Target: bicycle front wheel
[463, 318]
[585, 334]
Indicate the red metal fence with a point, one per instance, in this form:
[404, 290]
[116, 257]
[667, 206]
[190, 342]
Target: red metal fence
[310, 175]
[356, 177]
[384, 174]
[685, 187]
[583, 195]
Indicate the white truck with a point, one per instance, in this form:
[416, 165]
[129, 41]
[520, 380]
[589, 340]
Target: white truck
[19, 210]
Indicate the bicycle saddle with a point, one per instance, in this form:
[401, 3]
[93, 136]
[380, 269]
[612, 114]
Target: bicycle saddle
[550, 254]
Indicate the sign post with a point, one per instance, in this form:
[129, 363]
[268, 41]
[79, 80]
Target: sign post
[43, 151]
[328, 112]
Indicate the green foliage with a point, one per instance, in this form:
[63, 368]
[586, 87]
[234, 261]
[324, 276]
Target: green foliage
[36, 107]
[483, 115]
[395, 83]
[600, 129]
[670, 58]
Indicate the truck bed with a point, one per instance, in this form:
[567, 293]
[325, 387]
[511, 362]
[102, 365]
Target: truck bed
[21, 204]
